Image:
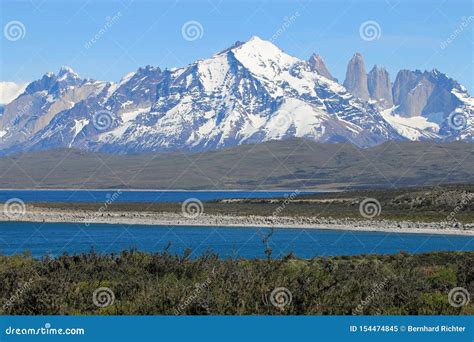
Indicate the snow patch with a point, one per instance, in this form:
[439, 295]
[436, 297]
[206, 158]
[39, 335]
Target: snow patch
[78, 127]
[213, 72]
[413, 128]
[132, 115]
[126, 78]
[305, 119]
[463, 96]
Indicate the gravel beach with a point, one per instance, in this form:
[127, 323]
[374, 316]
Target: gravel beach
[175, 219]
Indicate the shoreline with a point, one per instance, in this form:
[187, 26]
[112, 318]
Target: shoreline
[205, 220]
[310, 191]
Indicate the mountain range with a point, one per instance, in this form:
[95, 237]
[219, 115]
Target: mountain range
[251, 92]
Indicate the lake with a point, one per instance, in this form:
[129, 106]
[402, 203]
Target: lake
[56, 238]
[133, 196]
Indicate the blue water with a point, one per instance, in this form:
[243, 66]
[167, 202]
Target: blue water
[132, 196]
[56, 238]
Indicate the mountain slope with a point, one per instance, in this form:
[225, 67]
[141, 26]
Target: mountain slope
[289, 164]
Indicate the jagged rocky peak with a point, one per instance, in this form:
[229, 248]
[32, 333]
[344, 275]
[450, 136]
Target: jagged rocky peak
[445, 80]
[405, 81]
[52, 83]
[149, 69]
[412, 91]
[316, 64]
[142, 75]
[65, 78]
[417, 93]
[356, 77]
[380, 87]
[67, 72]
[45, 83]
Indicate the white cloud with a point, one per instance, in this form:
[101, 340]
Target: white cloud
[10, 90]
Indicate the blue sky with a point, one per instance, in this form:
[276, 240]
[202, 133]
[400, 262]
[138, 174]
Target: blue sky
[150, 32]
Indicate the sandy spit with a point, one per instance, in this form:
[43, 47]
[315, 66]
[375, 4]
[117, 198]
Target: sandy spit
[173, 219]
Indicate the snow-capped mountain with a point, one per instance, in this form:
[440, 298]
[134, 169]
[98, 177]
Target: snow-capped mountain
[419, 105]
[252, 92]
[41, 102]
[436, 98]
[249, 93]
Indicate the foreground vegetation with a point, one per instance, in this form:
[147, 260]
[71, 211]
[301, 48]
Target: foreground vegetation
[145, 284]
